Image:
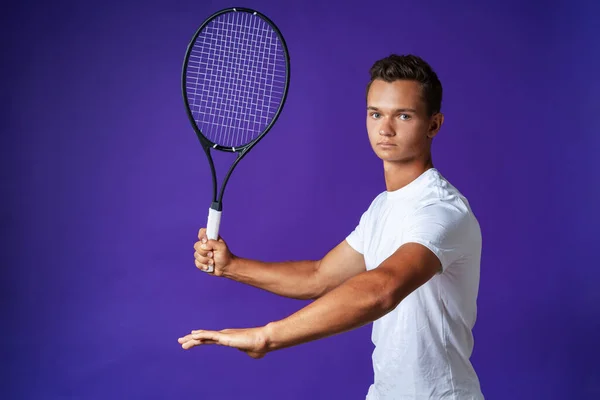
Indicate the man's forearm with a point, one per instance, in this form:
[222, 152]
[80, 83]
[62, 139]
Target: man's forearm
[357, 302]
[295, 279]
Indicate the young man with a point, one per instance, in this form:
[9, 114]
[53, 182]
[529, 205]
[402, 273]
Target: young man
[411, 266]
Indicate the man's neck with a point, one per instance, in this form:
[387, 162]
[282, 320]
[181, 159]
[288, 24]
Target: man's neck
[398, 175]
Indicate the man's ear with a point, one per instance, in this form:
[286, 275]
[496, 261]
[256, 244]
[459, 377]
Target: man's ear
[435, 123]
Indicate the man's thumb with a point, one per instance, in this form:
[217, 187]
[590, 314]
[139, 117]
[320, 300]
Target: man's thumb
[218, 244]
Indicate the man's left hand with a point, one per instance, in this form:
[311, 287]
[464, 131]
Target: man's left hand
[252, 341]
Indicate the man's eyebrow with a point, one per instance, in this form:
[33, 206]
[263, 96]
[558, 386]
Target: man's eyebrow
[396, 110]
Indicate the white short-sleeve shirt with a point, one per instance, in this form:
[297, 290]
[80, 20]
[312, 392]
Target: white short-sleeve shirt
[423, 347]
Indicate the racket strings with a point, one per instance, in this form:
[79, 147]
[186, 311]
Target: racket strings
[235, 78]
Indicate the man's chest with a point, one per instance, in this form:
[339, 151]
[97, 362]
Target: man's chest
[384, 233]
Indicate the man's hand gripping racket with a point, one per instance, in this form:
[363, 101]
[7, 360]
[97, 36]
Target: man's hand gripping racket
[213, 255]
[235, 81]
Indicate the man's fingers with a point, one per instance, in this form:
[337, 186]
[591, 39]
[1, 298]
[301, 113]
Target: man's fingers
[193, 343]
[212, 245]
[202, 247]
[203, 242]
[206, 336]
[190, 343]
[204, 259]
[203, 267]
[185, 338]
[197, 338]
[209, 246]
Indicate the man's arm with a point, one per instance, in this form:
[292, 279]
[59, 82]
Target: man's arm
[295, 279]
[357, 302]
[354, 303]
[299, 279]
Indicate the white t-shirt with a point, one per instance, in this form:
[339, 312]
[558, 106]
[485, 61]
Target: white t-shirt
[423, 346]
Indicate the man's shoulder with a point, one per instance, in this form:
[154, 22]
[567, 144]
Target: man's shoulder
[377, 201]
[441, 196]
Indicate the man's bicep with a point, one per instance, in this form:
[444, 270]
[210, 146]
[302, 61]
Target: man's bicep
[340, 264]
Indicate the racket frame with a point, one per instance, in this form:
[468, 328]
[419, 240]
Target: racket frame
[217, 201]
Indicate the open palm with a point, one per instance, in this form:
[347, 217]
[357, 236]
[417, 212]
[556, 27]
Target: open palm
[251, 341]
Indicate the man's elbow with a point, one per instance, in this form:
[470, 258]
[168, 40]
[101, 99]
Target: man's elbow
[317, 285]
[388, 294]
[386, 301]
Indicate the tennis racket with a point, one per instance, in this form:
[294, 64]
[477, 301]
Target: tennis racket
[235, 82]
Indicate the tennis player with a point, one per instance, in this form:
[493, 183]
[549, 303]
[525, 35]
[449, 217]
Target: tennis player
[411, 265]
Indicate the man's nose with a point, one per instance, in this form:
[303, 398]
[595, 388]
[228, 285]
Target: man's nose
[385, 129]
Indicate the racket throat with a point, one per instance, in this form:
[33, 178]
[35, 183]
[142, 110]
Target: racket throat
[217, 206]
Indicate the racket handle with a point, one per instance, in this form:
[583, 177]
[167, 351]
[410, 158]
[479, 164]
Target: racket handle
[212, 226]
[212, 229]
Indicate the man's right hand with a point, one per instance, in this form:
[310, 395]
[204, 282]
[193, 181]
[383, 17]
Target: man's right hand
[214, 253]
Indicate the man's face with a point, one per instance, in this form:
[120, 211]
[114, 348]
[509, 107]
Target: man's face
[399, 128]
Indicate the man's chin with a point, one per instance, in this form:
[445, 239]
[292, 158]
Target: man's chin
[388, 156]
[395, 159]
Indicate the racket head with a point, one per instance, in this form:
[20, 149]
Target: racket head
[235, 79]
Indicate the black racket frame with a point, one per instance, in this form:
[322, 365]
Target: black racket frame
[207, 145]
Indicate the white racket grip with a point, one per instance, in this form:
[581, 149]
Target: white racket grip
[212, 226]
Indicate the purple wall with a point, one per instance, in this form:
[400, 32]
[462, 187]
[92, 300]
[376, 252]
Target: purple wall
[104, 186]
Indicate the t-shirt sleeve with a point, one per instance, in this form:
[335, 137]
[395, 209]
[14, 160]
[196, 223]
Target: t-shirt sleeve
[356, 238]
[441, 227]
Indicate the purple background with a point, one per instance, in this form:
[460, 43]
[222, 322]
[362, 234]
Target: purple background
[104, 186]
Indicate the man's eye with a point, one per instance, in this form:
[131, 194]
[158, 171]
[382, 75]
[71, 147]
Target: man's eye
[375, 115]
[404, 117]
